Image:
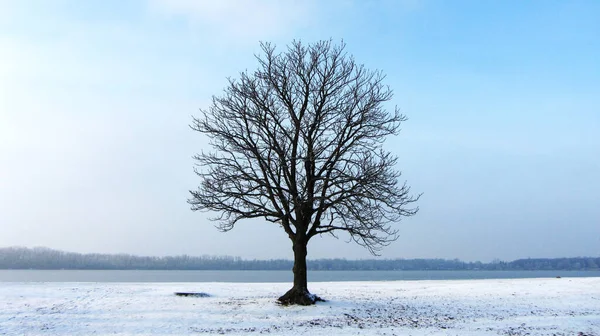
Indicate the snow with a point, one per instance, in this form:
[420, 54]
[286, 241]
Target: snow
[566, 306]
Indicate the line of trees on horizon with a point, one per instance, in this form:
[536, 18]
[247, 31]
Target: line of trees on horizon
[49, 259]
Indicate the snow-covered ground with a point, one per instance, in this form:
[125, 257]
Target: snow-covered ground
[567, 306]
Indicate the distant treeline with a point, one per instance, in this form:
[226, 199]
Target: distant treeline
[45, 259]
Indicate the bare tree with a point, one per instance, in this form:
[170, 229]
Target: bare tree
[298, 142]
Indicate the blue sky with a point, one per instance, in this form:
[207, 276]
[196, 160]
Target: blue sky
[503, 137]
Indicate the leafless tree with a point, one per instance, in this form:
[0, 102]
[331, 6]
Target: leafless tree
[298, 142]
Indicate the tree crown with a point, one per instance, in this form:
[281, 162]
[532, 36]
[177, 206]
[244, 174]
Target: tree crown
[299, 143]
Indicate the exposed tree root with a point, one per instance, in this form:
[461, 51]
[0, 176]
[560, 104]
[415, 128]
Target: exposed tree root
[300, 297]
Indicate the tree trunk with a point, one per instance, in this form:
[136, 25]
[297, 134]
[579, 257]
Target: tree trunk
[299, 294]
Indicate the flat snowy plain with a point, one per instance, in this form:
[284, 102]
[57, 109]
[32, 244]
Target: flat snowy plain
[566, 306]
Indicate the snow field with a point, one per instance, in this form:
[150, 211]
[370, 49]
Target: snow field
[567, 306]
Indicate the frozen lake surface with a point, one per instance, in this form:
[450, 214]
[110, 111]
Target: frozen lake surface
[565, 306]
[269, 276]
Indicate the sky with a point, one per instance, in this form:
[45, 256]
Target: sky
[503, 136]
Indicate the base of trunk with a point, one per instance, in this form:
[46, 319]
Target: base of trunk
[300, 297]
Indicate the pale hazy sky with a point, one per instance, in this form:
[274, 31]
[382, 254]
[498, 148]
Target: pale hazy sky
[503, 138]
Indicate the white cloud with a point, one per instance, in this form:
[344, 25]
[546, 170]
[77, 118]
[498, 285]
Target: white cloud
[245, 20]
